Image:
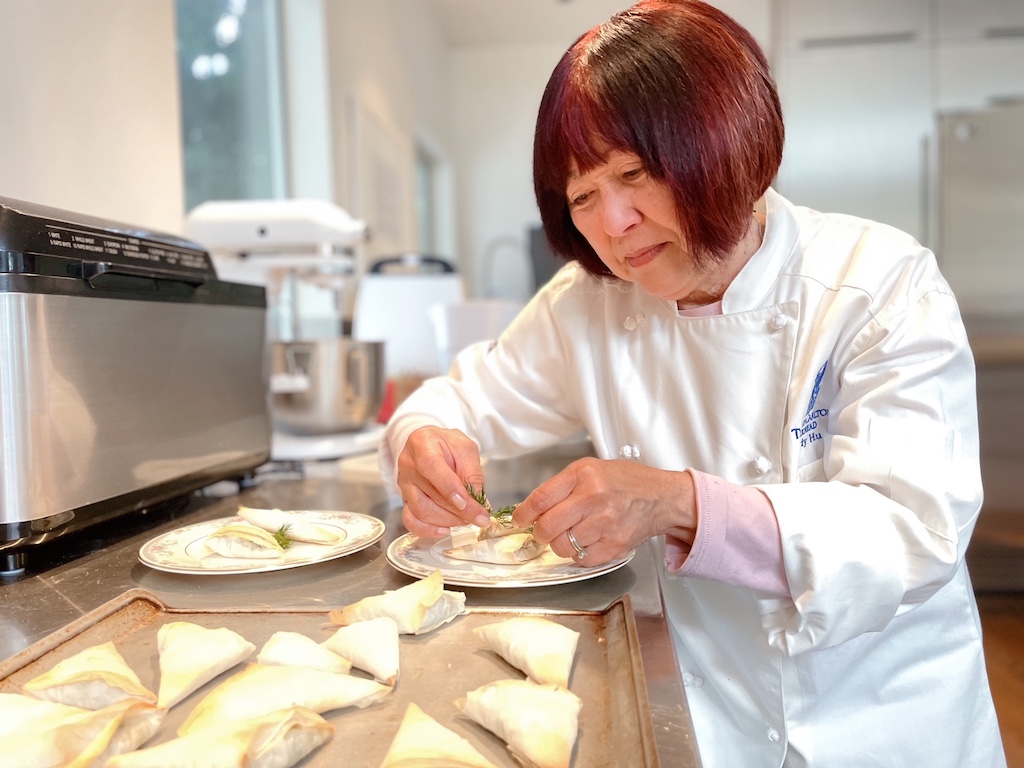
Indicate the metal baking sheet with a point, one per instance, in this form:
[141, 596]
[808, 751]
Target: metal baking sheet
[436, 669]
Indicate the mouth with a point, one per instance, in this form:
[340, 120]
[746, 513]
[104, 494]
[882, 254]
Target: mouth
[643, 256]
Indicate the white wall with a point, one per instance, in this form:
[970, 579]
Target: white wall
[496, 92]
[89, 103]
[388, 76]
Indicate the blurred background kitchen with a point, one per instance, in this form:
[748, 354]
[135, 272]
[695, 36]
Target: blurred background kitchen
[415, 117]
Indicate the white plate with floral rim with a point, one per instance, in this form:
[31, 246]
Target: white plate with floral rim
[183, 550]
[420, 557]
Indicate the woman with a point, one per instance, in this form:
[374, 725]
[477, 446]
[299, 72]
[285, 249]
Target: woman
[783, 401]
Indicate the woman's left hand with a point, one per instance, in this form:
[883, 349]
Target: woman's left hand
[611, 507]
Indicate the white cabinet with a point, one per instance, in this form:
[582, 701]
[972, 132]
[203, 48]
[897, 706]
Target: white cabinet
[855, 84]
[979, 54]
[818, 23]
[959, 20]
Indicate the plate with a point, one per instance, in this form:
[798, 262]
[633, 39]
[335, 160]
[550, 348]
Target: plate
[420, 557]
[183, 551]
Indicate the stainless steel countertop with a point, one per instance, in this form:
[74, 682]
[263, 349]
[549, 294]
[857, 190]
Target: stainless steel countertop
[94, 566]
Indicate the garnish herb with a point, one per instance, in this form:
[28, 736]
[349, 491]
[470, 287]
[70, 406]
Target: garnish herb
[281, 537]
[503, 515]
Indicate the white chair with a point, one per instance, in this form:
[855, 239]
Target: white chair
[393, 308]
[458, 324]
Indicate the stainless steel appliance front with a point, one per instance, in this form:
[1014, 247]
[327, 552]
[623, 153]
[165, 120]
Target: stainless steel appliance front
[128, 372]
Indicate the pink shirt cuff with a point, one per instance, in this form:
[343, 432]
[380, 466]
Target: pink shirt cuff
[737, 541]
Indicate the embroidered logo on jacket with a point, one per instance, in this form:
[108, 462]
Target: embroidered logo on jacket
[808, 431]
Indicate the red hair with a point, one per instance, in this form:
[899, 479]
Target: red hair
[687, 89]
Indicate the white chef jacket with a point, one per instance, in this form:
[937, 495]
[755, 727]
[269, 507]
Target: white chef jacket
[839, 381]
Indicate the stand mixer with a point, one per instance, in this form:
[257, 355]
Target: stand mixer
[326, 388]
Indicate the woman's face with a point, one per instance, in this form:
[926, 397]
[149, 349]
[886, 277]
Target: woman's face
[629, 219]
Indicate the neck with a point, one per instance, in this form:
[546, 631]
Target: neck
[728, 268]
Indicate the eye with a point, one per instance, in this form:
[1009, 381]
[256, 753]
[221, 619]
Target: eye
[632, 174]
[579, 200]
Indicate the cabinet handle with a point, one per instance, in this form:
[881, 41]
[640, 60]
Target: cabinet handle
[846, 41]
[1003, 32]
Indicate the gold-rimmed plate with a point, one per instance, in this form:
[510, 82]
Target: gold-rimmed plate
[184, 551]
[420, 557]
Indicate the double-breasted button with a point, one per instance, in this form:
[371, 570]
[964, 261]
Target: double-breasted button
[777, 323]
[633, 322]
[773, 736]
[630, 451]
[761, 466]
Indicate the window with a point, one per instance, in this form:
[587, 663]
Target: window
[229, 71]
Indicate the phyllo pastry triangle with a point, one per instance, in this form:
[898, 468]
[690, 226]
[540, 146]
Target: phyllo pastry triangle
[538, 723]
[418, 608]
[422, 742]
[292, 525]
[291, 649]
[91, 679]
[259, 689]
[370, 645]
[191, 656]
[511, 549]
[244, 540]
[541, 648]
[50, 734]
[277, 739]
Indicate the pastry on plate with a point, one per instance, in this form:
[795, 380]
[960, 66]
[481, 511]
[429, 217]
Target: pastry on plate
[541, 648]
[292, 526]
[295, 649]
[538, 723]
[191, 656]
[277, 739]
[91, 679]
[246, 541]
[422, 742]
[506, 549]
[259, 689]
[44, 734]
[418, 608]
[370, 645]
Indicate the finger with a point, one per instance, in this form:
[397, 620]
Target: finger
[597, 552]
[419, 527]
[451, 492]
[542, 500]
[562, 545]
[429, 512]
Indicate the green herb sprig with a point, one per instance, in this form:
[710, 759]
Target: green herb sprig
[281, 537]
[502, 515]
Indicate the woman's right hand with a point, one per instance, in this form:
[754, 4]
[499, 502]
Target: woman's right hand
[433, 470]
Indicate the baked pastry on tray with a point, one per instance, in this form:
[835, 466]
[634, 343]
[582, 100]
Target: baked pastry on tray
[277, 739]
[260, 689]
[541, 648]
[91, 679]
[191, 656]
[418, 608]
[538, 723]
[44, 734]
[291, 649]
[422, 742]
[370, 645]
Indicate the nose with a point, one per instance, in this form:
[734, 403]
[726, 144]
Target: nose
[619, 212]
